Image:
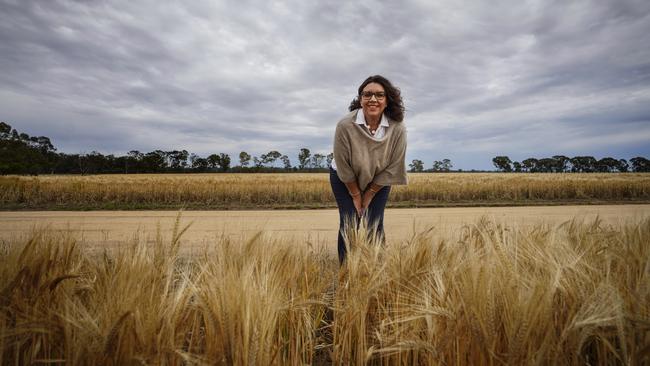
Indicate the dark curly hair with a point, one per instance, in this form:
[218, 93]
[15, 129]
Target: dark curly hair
[394, 104]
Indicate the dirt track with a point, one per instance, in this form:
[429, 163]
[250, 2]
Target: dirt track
[100, 228]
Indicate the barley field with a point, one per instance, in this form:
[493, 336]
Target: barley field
[278, 191]
[577, 293]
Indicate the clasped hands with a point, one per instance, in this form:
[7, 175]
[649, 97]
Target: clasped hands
[362, 201]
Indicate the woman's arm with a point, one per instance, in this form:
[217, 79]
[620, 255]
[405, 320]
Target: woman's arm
[355, 193]
[353, 188]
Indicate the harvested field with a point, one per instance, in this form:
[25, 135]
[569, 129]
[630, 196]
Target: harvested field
[282, 191]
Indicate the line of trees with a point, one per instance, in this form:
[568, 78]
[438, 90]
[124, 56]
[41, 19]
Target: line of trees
[576, 164]
[444, 165]
[306, 161]
[24, 154]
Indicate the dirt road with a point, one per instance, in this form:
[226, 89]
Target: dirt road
[101, 228]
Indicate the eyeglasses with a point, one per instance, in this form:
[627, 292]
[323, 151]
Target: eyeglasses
[368, 95]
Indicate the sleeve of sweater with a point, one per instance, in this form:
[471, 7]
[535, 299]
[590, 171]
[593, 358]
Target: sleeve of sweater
[395, 172]
[342, 155]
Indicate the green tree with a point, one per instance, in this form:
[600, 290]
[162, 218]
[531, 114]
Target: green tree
[304, 158]
[285, 162]
[155, 161]
[583, 164]
[244, 159]
[546, 165]
[24, 154]
[640, 164]
[561, 163]
[317, 160]
[502, 163]
[5, 131]
[258, 162]
[214, 161]
[416, 166]
[224, 162]
[67, 164]
[16, 157]
[607, 165]
[199, 164]
[437, 166]
[177, 160]
[133, 162]
[92, 163]
[529, 165]
[270, 157]
[443, 165]
[446, 165]
[330, 158]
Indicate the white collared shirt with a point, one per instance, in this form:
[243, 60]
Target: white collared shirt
[381, 130]
[361, 120]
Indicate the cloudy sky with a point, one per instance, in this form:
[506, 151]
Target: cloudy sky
[479, 78]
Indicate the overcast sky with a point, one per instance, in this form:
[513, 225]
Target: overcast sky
[479, 78]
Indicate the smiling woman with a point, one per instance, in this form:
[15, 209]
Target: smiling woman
[369, 156]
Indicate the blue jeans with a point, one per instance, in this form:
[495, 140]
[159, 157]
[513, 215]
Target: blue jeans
[375, 212]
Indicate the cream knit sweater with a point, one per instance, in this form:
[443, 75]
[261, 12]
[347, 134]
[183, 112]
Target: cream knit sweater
[361, 157]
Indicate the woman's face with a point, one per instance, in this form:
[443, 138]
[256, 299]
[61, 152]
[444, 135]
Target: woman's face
[373, 100]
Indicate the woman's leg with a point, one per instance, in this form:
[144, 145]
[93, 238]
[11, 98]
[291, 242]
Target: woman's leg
[376, 212]
[346, 209]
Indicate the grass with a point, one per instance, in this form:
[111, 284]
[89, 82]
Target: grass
[573, 294]
[283, 191]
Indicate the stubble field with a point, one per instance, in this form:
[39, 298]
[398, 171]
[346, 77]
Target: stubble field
[565, 285]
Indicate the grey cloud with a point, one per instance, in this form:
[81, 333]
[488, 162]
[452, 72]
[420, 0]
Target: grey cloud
[252, 75]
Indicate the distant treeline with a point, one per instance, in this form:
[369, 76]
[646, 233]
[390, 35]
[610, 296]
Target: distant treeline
[555, 164]
[576, 164]
[24, 154]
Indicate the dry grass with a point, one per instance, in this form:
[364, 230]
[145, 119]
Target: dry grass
[237, 191]
[574, 294]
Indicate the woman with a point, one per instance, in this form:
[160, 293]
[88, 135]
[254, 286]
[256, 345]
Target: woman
[369, 155]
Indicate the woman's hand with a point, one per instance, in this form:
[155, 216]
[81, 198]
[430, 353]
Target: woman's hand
[365, 201]
[358, 204]
[355, 193]
[368, 195]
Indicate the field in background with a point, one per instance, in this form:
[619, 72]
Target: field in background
[278, 191]
[490, 294]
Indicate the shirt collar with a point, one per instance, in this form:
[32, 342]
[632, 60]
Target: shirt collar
[361, 119]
